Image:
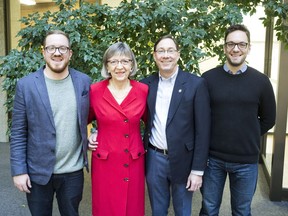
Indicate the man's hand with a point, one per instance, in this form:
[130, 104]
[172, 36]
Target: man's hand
[194, 182]
[22, 182]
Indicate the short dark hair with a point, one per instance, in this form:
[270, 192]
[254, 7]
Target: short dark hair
[237, 27]
[56, 32]
[165, 37]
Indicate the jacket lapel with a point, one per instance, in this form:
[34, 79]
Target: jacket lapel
[130, 98]
[151, 100]
[43, 93]
[78, 95]
[177, 94]
[108, 97]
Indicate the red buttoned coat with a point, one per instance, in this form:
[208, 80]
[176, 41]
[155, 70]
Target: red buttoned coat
[117, 168]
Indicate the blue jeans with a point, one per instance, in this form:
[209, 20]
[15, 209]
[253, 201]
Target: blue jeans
[159, 185]
[242, 181]
[68, 188]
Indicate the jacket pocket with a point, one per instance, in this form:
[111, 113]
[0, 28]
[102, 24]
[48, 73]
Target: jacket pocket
[137, 153]
[189, 146]
[101, 154]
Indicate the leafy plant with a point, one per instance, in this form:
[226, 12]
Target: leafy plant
[198, 26]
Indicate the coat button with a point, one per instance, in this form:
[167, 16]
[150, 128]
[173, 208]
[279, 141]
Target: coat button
[126, 179]
[139, 154]
[98, 155]
[126, 120]
[126, 150]
[126, 135]
[126, 165]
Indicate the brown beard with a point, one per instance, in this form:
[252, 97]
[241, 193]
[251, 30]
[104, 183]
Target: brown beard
[235, 64]
[57, 69]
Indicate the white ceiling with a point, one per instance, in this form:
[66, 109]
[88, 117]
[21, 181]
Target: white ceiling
[43, 1]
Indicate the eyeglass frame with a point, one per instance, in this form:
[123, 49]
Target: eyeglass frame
[236, 44]
[115, 62]
[169, 51]
[57, 48]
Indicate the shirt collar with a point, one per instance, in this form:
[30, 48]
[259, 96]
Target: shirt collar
[242, 69]
[171, 78]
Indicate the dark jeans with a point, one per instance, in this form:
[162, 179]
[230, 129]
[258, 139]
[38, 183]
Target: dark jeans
[242, 181]
[160, 188]
[68, 188]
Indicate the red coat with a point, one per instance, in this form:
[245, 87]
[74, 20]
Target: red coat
[118, 179]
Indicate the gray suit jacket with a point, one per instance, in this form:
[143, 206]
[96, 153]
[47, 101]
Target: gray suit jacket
[33, 133]
[188, 123]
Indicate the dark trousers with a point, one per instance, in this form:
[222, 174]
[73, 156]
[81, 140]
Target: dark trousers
[242, 181]
[160, 187]
[68, 188]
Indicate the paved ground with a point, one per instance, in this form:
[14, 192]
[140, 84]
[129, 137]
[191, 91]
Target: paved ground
[13, 202]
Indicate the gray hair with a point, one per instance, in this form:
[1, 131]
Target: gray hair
[122, 49]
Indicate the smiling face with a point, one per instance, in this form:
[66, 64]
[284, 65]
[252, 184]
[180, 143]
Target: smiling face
[166, 57]
[57, 62]
[236, 56]
[119, 67]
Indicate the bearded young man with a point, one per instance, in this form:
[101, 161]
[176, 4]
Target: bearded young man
[49, 131]
[243, 109]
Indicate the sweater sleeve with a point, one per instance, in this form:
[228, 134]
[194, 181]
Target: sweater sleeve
[267, 108]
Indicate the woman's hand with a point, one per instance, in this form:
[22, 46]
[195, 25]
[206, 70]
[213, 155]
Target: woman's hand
[92, 143]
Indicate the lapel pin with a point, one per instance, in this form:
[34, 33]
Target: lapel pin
[180, 90]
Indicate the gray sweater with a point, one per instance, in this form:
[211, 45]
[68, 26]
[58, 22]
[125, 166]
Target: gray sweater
[69, 155]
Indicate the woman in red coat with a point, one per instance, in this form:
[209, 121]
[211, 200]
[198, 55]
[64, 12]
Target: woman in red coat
[118, 104]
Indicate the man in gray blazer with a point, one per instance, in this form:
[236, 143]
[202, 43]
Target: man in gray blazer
[177, 133]
[49, 131]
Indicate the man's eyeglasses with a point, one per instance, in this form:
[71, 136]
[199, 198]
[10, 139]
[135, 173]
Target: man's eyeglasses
[241, 45]
[61, 49]
[169, 51]
[124, 62]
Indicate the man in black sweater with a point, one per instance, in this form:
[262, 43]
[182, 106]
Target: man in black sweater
[243, 109]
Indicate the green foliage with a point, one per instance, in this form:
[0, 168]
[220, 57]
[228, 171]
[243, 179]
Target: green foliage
[15, 66]
[275, 9]
[198, 26]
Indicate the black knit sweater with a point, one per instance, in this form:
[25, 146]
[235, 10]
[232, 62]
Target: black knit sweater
[243, 108]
